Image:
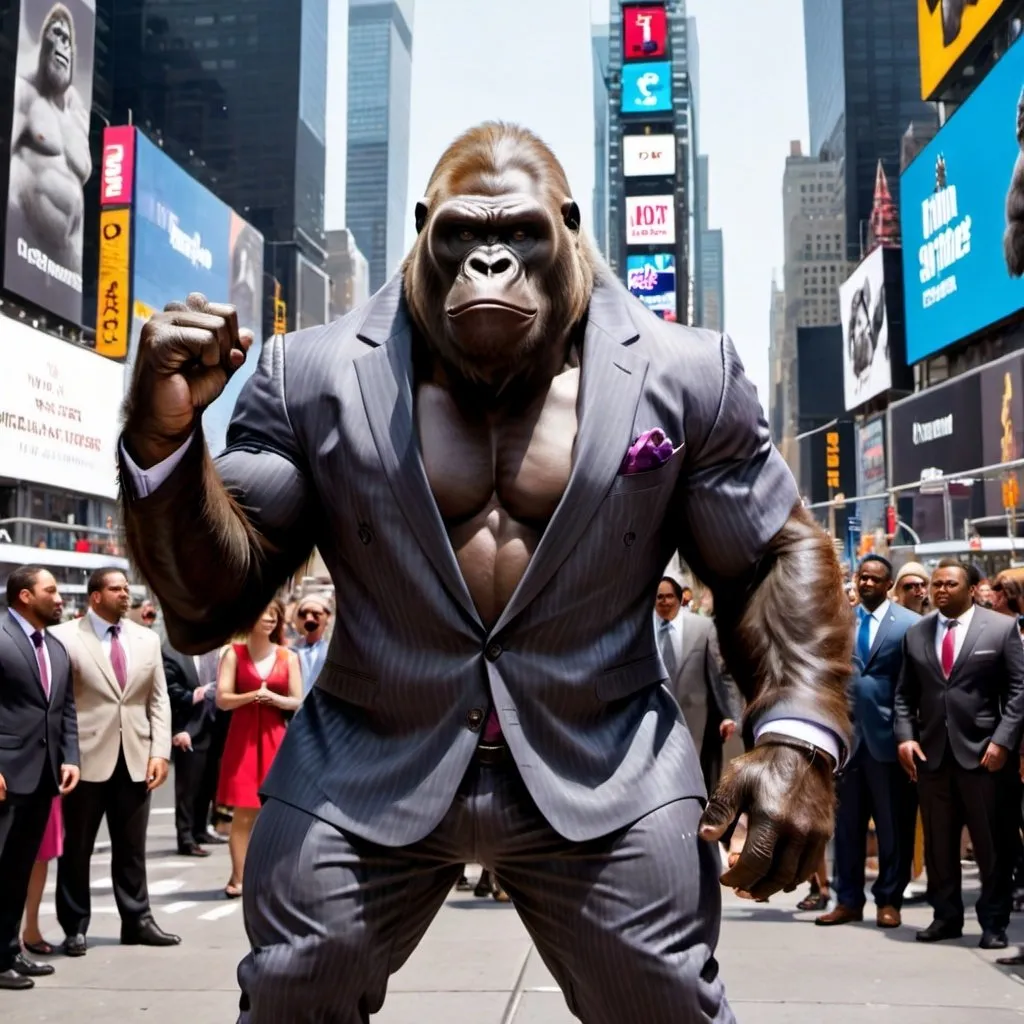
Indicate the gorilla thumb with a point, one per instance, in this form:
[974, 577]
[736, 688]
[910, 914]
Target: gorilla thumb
[717, 817]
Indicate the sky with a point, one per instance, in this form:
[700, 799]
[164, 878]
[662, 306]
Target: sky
[474, 60]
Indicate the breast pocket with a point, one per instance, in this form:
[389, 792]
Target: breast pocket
[348, 684]
[664, 475]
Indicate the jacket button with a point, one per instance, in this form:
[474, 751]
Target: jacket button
[475, 718]
[365, 534]
[628, 539]
[493, 651]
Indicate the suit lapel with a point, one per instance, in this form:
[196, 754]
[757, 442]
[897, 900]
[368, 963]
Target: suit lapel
[610, 385]
[974, 631]
[931, 637]
[94, 648]
[22, 642]
[385, 379]
[883, 631]
[136, 656]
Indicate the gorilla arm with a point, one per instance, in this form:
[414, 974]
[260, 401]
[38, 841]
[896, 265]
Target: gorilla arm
[786, 635]
[218, 537]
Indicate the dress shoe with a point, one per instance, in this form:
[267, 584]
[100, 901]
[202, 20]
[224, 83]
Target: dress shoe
[11, 980]
[888, 917]
[939, 931]
[31, 968]
[211, 839]
[841, 915]
[75, 945]
[192, 851]
[993, 938]
[147, 933]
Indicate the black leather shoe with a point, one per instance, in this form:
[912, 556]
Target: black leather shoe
[211, 839]
[31, 968]
[192, 851]
[11, 980]
[993, 939]
[147, 933]
[74, 945]
[939, 931]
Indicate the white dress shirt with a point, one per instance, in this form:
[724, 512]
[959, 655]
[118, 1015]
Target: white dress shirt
[877, 617]
[146, 481]
[101, 628]
[29, 629]
[959, 633]
[674, 628]
[311, 661]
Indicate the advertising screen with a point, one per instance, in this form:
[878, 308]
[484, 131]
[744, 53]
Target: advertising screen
[50, 161]
[652, 279]
[647, 87]
[187, 240]
[961, 263]
[644, 32]
[867, 366]
[59, 411]
[117, 175]
[644, 155]
[871, 473]
[650, 220]
[1002, 429]
[945, 29]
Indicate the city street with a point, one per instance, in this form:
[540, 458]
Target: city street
[477, 965]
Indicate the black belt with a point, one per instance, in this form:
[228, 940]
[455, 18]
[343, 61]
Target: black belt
[492, 753]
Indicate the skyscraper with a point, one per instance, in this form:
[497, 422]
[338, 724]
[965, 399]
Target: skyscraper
[379, 95]
[863, 88]
[600, 44]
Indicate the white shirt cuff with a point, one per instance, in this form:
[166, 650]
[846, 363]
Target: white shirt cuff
[146, 481]
[809, 732]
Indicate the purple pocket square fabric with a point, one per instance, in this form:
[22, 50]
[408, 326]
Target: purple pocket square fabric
[649, 451]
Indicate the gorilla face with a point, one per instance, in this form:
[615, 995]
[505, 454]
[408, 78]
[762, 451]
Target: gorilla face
[497, 271]
[57, 52]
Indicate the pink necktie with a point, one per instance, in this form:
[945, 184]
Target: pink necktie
[117, 658]
[948, 649]
[44, 675]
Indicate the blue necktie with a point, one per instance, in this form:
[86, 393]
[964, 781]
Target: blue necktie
[864, 637]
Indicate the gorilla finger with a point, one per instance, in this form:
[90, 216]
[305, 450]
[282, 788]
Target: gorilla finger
[246, 338]
[197, 301]
[788, 862]
[175, 307]
[198, 344]
[716, 819]
[755, 861]
[230, 316]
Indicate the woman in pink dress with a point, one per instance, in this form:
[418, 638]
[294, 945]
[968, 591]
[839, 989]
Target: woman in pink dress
[260, 682]
[50, 848]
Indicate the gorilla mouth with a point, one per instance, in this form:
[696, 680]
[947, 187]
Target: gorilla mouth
[59, 58]
[481, 305]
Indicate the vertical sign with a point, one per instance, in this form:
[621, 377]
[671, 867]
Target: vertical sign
[49, 158]
[113, 308]
[832, 460]
[118, 175]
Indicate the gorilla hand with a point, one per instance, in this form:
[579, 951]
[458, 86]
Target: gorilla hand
[186, 355]
[789, 798]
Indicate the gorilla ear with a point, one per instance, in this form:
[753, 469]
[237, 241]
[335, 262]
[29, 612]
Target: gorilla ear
[421, 215]
[571, 215]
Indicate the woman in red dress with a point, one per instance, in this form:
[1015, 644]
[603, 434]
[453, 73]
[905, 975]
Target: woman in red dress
[260, 682]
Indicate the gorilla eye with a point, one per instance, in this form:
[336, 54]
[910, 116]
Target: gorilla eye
[519, 235]
[465, 235]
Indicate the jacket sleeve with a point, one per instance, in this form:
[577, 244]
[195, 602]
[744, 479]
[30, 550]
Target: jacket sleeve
[178, 691]
[69, 752]
[908, 697]
[1011, 725]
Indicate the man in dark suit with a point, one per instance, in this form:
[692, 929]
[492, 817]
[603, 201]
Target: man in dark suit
[192, 690]
[873, 786]
[959, 713]
[38, 749]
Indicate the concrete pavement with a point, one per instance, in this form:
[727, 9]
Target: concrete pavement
[477, 965]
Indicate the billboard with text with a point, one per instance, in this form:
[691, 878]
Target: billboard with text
[644, 32]
[650, 220]
[648, 155]
[652, 279]
[49, 159]
[945, 30]
[647, 87]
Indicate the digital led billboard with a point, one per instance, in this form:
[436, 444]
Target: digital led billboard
[647, 87]
[650, 220]
[186, 240]
[652, 279]
[648, 155]
[644, 32]
[962, 217]
[945, 29]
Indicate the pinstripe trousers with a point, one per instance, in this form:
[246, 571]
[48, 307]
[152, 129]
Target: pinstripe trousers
[627, 924]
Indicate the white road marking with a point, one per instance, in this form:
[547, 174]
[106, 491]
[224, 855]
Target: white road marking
[101, 883]
[161, 810]
[165, 886]
[177, 908]
[218, 912]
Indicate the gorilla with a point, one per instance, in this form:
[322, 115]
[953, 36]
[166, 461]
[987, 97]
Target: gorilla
[496, 458]
[865, 328]
[1013, 238]
[952, 16]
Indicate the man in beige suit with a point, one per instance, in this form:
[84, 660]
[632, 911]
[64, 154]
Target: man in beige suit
[124, 723]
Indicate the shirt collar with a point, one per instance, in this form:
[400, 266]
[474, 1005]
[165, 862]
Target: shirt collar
[26, 626]
[879, 613]
[100, 626]
[964, 620]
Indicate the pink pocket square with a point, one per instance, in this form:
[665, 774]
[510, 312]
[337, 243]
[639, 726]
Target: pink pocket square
[651, 450]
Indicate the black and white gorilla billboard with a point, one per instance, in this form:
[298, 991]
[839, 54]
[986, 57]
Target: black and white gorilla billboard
[867, 362]
[50, 161]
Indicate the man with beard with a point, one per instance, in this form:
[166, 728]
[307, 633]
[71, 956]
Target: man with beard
[50, 159]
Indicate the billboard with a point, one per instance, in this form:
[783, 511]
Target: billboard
[650, 220]
[652, 279]
[117, 174]
[187, 240]
[962, 264]
[867, 362]
[59, 409]
[49, 160]
[113, 291]
[945, 30]
[647, 87]
[644, 155]
[644, 32]
[871, 474]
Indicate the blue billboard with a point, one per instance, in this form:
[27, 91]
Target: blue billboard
[647, 87]
[187, 240]
[652, 279]
[962, 258]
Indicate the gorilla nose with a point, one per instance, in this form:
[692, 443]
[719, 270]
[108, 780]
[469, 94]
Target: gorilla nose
[490, 266]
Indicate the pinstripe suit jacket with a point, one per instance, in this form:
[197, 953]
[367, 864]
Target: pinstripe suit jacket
[322, 449]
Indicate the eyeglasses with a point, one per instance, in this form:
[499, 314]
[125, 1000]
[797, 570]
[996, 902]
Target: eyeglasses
[913, 586]
[309, 614]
